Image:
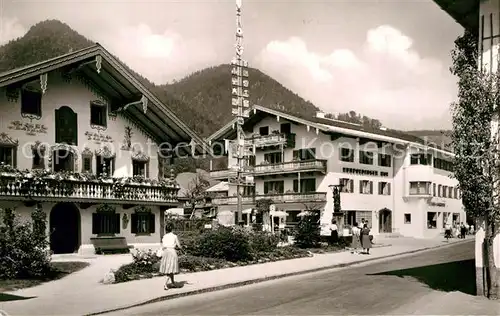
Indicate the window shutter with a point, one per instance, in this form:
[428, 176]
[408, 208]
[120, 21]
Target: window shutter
[371, 187]
[95, 223]
[360, 186]
[133, 223]
[151, 223]
[117, 223]
[295, 185]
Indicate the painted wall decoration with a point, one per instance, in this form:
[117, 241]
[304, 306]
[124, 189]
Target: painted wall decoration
[98, 137]
[127, 138]
[31, 129]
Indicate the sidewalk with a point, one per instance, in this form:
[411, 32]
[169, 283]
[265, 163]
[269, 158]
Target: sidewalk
[81, 294]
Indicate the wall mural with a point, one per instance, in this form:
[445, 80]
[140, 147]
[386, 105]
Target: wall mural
[127, 138]
[31, 129]
[98, 137]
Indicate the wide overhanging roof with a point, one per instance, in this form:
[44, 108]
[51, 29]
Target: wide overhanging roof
[465, 12]
[121, 87]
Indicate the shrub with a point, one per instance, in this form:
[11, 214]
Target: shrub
[145, 263]
[194, 264]
[224, 243]
[189, 241]
[23, 252]
[307, 233]
[263, 241]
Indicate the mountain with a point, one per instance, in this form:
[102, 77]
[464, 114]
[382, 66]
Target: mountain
[202, 99]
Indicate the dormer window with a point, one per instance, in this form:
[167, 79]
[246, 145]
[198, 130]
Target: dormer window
[98, 115]
[31, 103]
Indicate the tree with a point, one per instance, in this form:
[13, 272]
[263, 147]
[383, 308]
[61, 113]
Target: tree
[476, 162]
[195, 192]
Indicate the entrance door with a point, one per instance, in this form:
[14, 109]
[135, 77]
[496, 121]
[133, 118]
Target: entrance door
[385, 221]
[64, 228]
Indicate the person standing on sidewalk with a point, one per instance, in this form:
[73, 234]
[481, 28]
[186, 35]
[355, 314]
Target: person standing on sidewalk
[169, 261]
[334, 232]
[463, 230]
[356, 243]
[366, 243]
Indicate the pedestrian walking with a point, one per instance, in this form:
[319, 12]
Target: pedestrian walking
[447, 231]
[334, 232]
[463, 230]
[356, 243]
[366, 243]
[169, 264]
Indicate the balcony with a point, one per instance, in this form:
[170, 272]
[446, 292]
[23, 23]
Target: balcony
[292, 166]
[222, 174]
[277, 198]
[44, 186]
[261, 141]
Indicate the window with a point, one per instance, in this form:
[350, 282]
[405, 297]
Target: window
[347, 185]
[105, 223]
[443, 164]
[365, 157]
[365, 187]
[98, 114]
[455, 193]
[248, 190]
[38, 153]
[432, 220]
[421, 159]
[286, 128]
[304, 154]
[63, 160]
[264, 130]
[7, 156]
[273, 158]
[346, 155]
[434, 189]
[384, 160]
[142, 222]
[306, 185]
[31, 103]
[293, 217]
[140, 168]
[87, 164]
[407, 218]
[440, 191]
[274, 187]
[446, 215]
[450, 192]
[459, 193]
[384, 188]
[420, 188]
[445, 191]
[251, 161]
[105, 165]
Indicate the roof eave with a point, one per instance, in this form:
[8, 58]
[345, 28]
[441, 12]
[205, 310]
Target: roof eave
[464, 12]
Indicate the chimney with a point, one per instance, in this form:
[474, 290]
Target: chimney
[320, 114]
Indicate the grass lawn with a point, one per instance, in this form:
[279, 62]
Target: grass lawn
[60, 269]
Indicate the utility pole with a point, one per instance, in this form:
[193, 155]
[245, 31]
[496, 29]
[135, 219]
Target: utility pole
[240, 103]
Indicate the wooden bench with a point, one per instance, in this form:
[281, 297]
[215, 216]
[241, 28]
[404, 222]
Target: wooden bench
[110, 244]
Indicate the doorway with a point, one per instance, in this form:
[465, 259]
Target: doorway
[64, 228]
[385, 221]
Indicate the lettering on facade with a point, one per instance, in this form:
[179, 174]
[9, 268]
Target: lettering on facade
[360, 171]
[98, 137]
[31, 129]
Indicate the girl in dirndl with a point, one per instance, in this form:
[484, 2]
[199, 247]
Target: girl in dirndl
[169, 261]
[356, 242]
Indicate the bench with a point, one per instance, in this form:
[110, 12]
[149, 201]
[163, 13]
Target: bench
[110, 244]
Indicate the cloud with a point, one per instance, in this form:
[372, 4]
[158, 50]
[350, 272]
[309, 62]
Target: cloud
[10, 29]
[160, 57]
[386, 79]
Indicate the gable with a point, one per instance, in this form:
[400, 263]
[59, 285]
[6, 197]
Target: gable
[125, 94]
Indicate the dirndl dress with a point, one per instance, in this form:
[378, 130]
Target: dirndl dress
[169, 262]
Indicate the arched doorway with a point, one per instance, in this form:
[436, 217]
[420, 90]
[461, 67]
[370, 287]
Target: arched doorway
[385, 221]
[64, 228]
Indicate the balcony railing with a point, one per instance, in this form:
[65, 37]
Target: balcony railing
[272, 140]
[222, 174]
[292, 166]
[277, 198]
[53, 188]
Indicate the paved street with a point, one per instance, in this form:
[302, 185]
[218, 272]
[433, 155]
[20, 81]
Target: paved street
[368, 289]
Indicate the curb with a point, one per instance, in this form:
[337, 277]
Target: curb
[270, 278]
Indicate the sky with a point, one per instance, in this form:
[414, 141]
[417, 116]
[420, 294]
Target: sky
[385, 59]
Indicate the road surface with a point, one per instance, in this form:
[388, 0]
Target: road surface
[378, 288]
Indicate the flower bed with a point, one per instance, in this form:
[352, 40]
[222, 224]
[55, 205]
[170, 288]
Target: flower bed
[146, 263]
